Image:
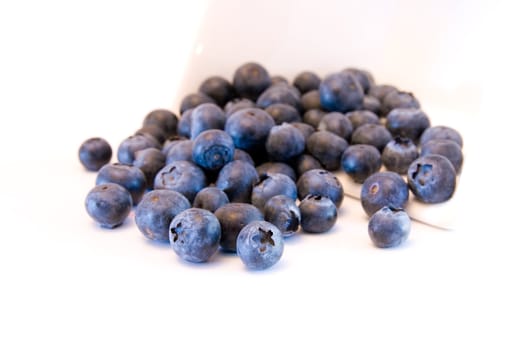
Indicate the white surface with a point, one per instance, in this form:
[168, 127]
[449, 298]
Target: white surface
[69, 72]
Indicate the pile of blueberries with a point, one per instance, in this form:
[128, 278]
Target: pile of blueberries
[250, 161]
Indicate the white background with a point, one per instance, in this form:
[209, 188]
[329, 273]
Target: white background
[69, 71]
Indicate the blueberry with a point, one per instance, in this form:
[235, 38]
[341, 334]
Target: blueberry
[210, 198]
[236, 105]
[219, 89]
[128, 147]
[236, 179]
[398, 154]
[282, 211]
[341, 92]
[194, 100]
[441, 132]
[446, 148]
[283, 113]
[129, 177]
[318, 214]
[398, 99]
[306, 81]
[278, 79]
[271, 185]
[432, 178]
[277, 168]
[150, 161]
[384, 189]
[380, 91]
[181, 176]
[327, 147]
[184, 126]
[204, 117]
[336, 123]
[305, 162]
[372, 134]
[305, 129]
[182, 150]
[358, 118]
[94, 153]
[361, 161]
[153, 131]
[212, 149]
[389, 227]
[162, 118]
[194, 235]
[407, 122]
[155, 211]
[280, 93]
[363, 77]
[250, 80]
[260, 245]
[233, 217]
[170, 141]
[284, 142]
[313, 117]
[311, 100]
[249, 128]
[372, 104]
[320, 182]
[108, 204]
[239, 154]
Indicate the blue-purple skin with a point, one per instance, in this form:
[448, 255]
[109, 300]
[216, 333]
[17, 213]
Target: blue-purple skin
[233, 217]
[341, 92]
[320, 182]
[108, 204]
[210, 198]
[212, 149]
[389, 227]
[94, 153]
[305, 129]
[282, 211]
[279, 79]
[170, 141]
[181, 176]
[372, 104]
[306, 81]
[249, 128]
[236, 179]
[236, 105]
[336, 123]
[153, 131]
[380, 91]
[205, 117]
[398, 99]
[446, 148]
[219, 89]
[280, 93]
[318, 214]
[150, 161]
[398, 154]
[372, 134]
[272, 184]
[432, 178]
[365, 79]
[164, 119]
[193, 100]
[194, 235]
[128, 147]
[276, 168]
[260, 245]
[383, 189]
[284, 142]
[155, 212]
[305, 162]
[361, 161]
[441, 133]
[239, 154]
[184, 126]
[283, 113]
[358, 118]
[407, 122]
[313, 117]
[250, 80]
[182, 150]
[327, 147]
[311, 100]
[128, 176]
